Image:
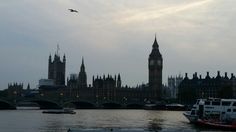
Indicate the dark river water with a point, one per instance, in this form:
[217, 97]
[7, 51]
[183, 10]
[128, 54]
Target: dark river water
[95, 120]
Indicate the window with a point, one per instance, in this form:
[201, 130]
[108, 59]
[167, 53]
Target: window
[234, 104]
[207, 107]
[226, 103]
[193, 112]
[197, 101]
[215, 103]
[229, 110]
[234, 110]
[207, 103]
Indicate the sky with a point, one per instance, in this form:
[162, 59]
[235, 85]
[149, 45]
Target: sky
[116, 37]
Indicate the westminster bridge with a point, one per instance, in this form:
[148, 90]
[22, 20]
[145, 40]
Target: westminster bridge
[62, 96]
[75, 102]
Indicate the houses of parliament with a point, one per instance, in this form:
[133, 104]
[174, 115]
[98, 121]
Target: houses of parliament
[104, 87]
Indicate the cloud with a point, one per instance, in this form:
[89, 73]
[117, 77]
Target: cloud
[150, 14]
[115, 37]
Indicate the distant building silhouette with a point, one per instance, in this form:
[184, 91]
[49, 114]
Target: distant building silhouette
[198, 87]
[56, 69]
[155, 65]
[15, 89]
[173, 84]
[72, 81]
[106, 87]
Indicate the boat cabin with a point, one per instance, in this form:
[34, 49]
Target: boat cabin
[214, 108]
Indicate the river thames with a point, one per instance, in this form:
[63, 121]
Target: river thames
[95, 120]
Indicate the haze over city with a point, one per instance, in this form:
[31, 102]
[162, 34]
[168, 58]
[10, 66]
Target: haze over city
[116, 37]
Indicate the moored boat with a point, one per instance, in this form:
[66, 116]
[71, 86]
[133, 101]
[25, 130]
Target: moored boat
[213, 112]
[175, 107]
[191, 117]
[217, 124]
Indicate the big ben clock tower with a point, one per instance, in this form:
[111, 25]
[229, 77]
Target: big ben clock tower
[155, 66]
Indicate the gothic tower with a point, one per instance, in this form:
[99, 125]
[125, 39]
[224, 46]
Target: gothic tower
[119, 81]
[82, 78]
[56, 69]
[155, 66]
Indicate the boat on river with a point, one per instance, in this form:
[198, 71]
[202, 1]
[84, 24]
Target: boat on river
[217, 124]
[175, 107]
[162, 106]
[62, 111]
[213, 112]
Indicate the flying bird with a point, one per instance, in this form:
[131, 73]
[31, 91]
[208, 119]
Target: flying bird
[73, 10]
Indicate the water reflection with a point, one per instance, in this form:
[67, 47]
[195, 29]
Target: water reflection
[51, 126]
[52, 123]
[155, 125]
[91, 120]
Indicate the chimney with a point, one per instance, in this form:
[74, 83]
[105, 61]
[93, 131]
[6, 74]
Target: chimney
[218, 73]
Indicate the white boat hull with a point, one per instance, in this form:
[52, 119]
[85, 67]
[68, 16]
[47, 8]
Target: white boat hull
[191, 118]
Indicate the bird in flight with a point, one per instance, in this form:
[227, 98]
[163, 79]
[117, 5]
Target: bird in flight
[73, 10]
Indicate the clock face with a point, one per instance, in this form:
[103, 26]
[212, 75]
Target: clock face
[159, 62]
[151, 62]
[154, 62]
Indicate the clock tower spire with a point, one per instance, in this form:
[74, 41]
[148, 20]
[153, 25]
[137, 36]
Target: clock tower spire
[155, 66]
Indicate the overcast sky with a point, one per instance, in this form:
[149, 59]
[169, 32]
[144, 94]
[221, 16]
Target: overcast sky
[116, 37]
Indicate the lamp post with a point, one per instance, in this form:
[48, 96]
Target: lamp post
[104, 99]
[125, 99]
[77, 97]
[15, 96]
[61, 97]
[97, 99]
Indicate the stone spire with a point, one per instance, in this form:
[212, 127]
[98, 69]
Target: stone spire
[82, 78]
[82, 67]
[155, 44]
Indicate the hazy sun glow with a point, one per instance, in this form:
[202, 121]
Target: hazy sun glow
[143, 15]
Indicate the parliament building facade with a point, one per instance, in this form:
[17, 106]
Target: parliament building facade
[108, 87]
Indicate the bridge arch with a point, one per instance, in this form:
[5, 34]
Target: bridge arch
[43, 103]
[111, 105]
[46, 104]
[82, 104]
[134, 106]
[5, 105]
